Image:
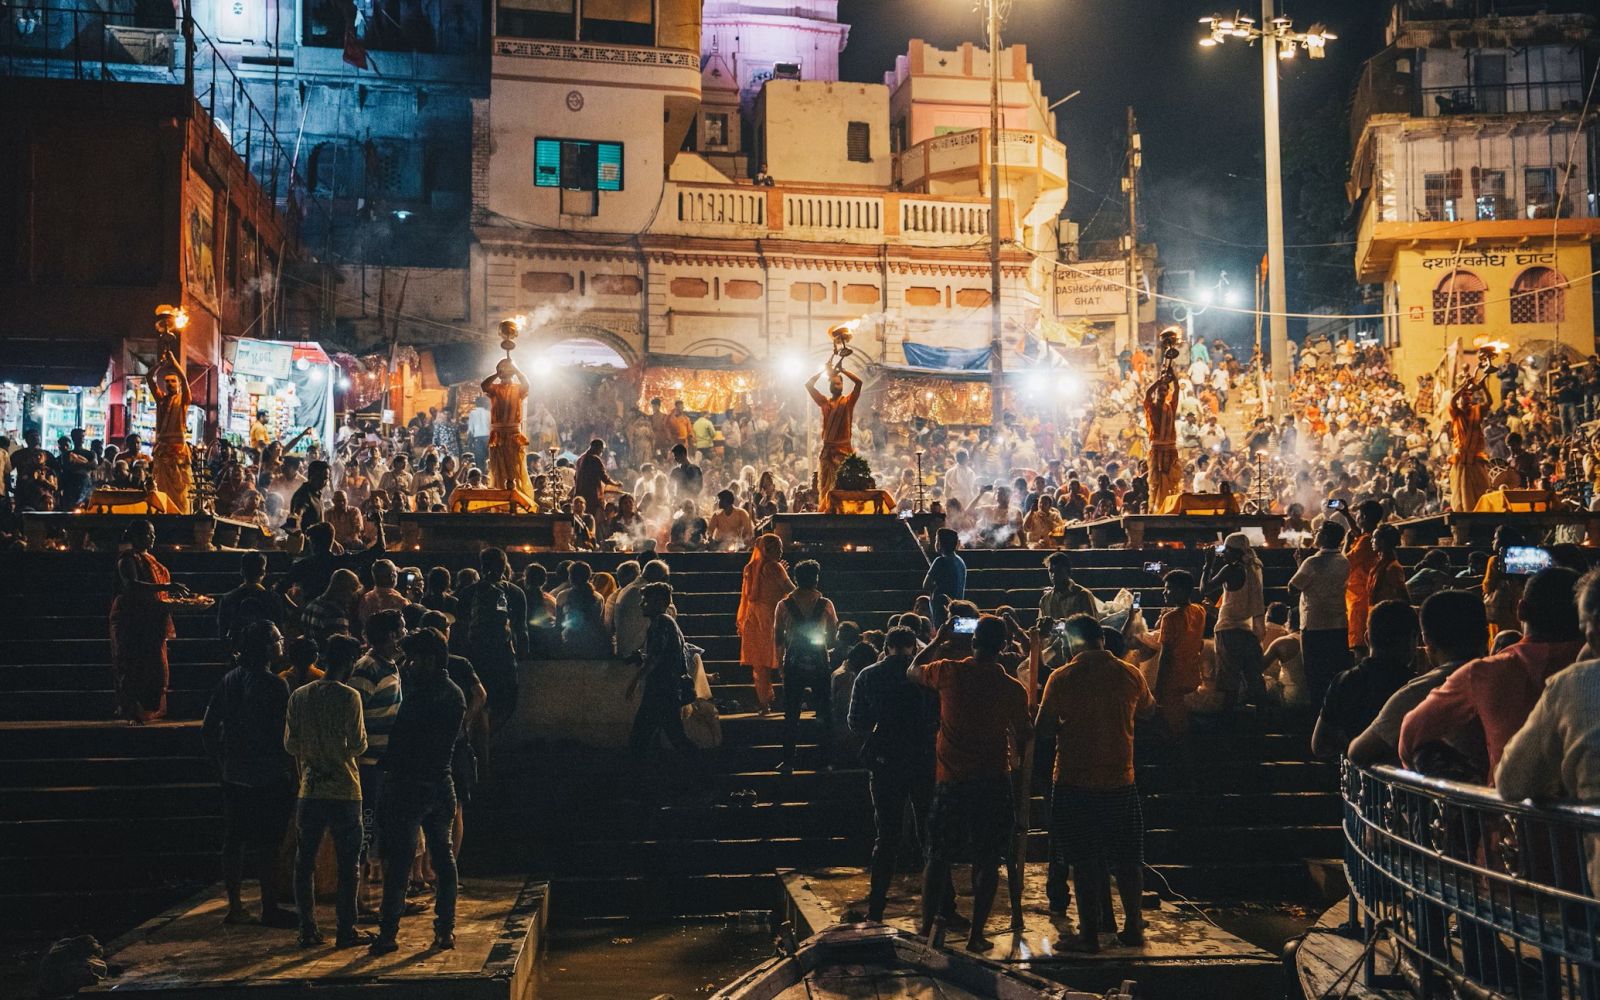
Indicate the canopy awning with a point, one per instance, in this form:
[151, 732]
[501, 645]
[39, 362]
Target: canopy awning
[54, 362]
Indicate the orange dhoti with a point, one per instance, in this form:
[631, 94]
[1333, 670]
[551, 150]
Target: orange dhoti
[828, 463]
[1166, 475]
[1469, 480]
[170, 465]
[508, 463]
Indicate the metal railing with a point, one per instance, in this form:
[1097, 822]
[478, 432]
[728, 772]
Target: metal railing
[1495, 897]
[1501, 98]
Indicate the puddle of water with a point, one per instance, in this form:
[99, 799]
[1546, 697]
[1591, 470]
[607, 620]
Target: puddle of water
[637, 962]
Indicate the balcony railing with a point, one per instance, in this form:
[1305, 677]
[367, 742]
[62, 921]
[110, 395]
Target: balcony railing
[747, 211]
[1502, 99]
[1492, 896]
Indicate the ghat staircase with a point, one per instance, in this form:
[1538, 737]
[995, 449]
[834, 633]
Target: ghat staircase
[102, 824]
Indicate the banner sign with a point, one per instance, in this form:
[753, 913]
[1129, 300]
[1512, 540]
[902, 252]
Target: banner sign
[1093, 288]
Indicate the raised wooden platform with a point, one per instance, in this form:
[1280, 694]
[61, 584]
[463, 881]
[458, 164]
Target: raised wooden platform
[80, 529]
[1477, 527]
[844, 532]
[469, 532]
[1328, 963]
[189, 953]
[1134, 531]
[1181, 947]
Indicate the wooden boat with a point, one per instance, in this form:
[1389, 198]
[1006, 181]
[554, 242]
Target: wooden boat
[873, 962]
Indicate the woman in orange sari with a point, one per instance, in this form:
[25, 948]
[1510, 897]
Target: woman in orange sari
[766, 582]
[141, 624]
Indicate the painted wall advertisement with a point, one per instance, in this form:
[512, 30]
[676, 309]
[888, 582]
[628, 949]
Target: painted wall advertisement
[199, 242]
[1092, 288]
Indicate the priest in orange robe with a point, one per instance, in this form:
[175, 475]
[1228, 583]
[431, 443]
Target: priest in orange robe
[170, 456]
[1161, 413]
[1469, 465]
[507, 390]
[838, 418]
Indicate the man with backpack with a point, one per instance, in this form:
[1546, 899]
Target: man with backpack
[804, 629]
[249, 602]
[496, 614]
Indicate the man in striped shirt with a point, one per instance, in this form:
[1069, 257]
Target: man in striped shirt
[329, 613]
[376, 679]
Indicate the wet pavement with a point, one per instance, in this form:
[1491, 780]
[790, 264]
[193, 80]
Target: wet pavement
[633, 962]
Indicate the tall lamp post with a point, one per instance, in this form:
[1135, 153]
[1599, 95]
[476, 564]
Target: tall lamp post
[1279, 41]
[997, 405]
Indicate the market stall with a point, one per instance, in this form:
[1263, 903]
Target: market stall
[293, 383]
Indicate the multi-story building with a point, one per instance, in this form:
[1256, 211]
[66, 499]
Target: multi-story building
[1475, 175]
[721, 194]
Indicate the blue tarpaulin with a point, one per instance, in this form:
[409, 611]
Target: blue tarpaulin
[946, 358]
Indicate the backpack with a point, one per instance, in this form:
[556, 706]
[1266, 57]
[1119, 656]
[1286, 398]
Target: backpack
[488, 610]
[806, 645]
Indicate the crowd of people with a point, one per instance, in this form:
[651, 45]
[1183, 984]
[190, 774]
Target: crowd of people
[641, 472]
[374, 685]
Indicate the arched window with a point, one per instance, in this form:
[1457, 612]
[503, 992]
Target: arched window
[1458, 299]
[1539, 295]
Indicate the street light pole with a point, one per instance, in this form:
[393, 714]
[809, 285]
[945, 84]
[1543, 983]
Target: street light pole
[997, 406]
[1277, 290]
[1279, 41]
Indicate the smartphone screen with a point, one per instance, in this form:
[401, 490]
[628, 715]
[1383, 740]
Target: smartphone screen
[1526, 560]
[1153, 568]
[964, 626]
[1138, 601]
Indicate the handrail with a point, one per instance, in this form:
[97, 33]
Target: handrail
[1494, 895]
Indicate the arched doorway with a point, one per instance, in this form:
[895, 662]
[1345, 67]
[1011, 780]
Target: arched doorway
[586, 346]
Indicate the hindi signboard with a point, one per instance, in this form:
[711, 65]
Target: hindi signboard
[263, 359]
[1092, 288]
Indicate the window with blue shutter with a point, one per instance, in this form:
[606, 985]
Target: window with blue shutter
[577, 164]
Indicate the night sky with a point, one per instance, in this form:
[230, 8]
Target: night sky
[1199, 110]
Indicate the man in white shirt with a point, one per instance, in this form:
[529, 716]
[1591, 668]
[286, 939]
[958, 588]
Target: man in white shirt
[1320, 582]
[960, 481]
[629, 623]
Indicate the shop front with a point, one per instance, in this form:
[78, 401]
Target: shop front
[292, 384]
[54, 387]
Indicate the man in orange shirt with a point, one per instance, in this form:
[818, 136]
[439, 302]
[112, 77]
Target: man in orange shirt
[1096, 824]
[1180, 640]
[1161, 414]
[983, 712]
[679, 427]
[1363, 558]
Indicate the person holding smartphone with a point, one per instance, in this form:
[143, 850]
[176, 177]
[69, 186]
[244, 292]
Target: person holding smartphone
[982, 712]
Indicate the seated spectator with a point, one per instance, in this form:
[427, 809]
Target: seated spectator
[1284, 666]
[1556, 753]
[1497, 692]
[1040, 526]
[731, 528]
[1356, 696]
[582, 617]
[1433, 575]
[1454, 631]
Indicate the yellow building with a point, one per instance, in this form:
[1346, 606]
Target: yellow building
[1472, 169]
